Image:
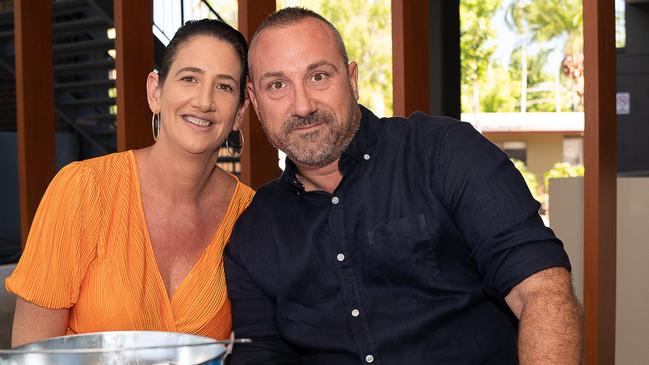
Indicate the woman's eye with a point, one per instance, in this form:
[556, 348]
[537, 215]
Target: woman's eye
[225, 87]
[188, 78]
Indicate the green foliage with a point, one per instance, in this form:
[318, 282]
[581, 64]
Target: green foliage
[541, 99]
[620, 24]
[475, 33]
[366, 29]
[535, 21]
[535, 66]
[530, 178]
[562, 169]
[495, 89]
[550, 19]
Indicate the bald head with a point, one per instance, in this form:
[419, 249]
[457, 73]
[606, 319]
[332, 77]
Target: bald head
[289, 16]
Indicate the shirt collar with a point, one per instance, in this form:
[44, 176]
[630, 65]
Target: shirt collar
[360, 149]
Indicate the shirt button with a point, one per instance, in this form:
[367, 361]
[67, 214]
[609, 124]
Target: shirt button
[355, 313]
[335, 200]
[369, 359]
[366, 156]
[340, 257]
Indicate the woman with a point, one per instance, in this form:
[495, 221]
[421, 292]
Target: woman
[134, 240]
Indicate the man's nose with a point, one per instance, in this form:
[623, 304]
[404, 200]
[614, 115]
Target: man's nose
[303, 103]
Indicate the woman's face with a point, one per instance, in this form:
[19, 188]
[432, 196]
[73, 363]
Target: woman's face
[199, 100]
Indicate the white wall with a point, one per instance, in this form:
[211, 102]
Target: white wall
[632, 304]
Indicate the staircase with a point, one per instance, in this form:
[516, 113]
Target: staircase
[83, 73]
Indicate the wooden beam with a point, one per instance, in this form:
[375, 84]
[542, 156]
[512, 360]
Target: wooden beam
[258, 159]
[34, 105]
[133, 62]
[410, 59]
[600, 181]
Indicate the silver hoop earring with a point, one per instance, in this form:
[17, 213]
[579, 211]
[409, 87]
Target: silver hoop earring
[234, 148]
[155, 125]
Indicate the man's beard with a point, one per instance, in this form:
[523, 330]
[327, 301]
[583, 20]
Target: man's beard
[320, 147]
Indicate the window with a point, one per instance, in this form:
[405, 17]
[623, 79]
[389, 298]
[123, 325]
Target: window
[516, 150]
[573, 150]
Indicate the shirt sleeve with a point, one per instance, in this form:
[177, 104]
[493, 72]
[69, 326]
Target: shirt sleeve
[495, 211]
[253, 312]
[60, 245]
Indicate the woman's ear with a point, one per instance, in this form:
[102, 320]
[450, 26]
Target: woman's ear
[153, 89]
[240, 113]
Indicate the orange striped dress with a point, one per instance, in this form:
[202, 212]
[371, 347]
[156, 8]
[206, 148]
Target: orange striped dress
[89, 250]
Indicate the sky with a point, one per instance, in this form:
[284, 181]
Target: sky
[506, 40]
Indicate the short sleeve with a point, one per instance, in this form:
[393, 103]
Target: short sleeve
[493, 208]
[60, 245]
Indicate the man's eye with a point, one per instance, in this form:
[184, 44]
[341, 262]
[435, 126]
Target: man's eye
[319, 76]
[277, 85]
[188, 78]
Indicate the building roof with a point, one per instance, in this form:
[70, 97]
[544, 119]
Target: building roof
[526, 122]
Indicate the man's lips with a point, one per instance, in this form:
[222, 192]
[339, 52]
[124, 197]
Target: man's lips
[306, 127]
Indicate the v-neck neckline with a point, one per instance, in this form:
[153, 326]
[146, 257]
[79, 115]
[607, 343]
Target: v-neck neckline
[169, 300]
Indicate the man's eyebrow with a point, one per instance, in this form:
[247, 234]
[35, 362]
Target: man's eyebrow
[310, 67]
[272, 74]
[313, 66]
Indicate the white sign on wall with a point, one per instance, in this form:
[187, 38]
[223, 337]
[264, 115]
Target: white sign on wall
[623, 103]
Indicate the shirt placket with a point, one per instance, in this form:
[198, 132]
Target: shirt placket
[349, 283]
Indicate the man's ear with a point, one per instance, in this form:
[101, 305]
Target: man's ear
[240, 113]
[253, 97]
[352, 71]
[153, 90]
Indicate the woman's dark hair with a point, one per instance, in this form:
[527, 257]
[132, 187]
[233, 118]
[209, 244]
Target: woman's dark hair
[207, 27]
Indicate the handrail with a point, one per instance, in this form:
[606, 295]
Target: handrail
[65, 118]
[212, 10]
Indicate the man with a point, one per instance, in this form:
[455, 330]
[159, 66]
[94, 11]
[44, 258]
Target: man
[386, 241]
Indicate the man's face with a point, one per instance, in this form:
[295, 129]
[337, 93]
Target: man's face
[304, 93]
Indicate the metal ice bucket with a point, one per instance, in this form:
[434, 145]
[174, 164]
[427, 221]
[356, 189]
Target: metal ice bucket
[119, 347]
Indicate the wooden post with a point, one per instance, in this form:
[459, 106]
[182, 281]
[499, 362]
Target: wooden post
[34, 105]
[258, 159]
[134, 61]
[600, 181]
[410, 59]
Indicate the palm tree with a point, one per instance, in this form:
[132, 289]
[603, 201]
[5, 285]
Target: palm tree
[516, 19]
[556, 19]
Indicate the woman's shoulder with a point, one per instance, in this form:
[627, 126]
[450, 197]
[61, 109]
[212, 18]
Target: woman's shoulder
[107, 164]
[98, 174]
[243, 195]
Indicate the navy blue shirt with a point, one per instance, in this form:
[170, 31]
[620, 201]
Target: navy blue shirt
[407, 262]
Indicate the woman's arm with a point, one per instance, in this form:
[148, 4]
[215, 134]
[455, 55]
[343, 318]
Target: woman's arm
[33, 323]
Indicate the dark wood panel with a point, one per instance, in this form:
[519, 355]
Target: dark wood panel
[34, 105]
[259, 158]
[134, 61]
[599, 182]
[410, 58]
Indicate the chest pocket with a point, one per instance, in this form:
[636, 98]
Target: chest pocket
[404, 251]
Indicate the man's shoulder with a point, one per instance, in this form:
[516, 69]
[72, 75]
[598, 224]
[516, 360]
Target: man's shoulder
[420, 123]
[268, 197]
[421, 118]
[271, 192]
